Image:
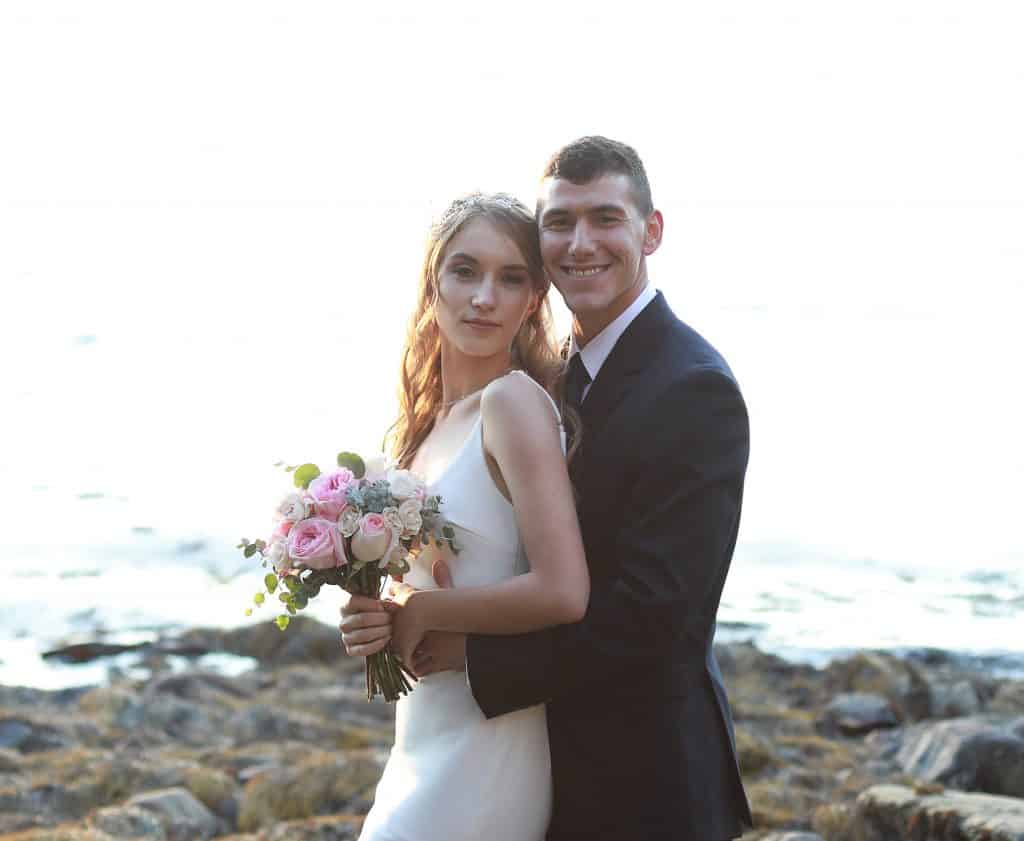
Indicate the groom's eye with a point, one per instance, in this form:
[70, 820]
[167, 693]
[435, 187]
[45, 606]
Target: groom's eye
[558, 224]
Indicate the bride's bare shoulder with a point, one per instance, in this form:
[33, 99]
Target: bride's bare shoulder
[516, 406]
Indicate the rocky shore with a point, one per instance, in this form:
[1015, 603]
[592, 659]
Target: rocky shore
[874, 746]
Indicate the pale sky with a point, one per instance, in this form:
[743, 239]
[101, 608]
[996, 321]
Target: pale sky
[231, 197]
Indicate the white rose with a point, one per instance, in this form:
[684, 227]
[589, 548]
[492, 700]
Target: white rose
[409, 514]
[277, 554]
[404, 484]
[348, 522]
[292, 507]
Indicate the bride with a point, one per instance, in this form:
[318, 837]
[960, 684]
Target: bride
[478, 424]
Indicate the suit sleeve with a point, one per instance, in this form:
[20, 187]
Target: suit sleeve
[672, 548]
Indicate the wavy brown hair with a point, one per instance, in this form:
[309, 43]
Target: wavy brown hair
[534, 350]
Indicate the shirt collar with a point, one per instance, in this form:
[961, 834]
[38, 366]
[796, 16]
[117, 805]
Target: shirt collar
[600, 347]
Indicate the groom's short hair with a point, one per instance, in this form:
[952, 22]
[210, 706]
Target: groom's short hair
[594, 156]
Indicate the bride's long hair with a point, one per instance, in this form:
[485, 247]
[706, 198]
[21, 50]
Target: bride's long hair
[535, 349]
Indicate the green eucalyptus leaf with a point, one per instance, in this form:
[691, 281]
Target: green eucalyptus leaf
[270, 580]
[284, 598]
[282, 621]
[304, 474]
[291, 609]
[250, 550]
[248, 611]
[301, 602]
[354, 463]
[292, 583]
[259, 598]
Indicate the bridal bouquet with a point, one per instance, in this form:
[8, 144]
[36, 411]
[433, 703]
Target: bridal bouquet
[351, 526]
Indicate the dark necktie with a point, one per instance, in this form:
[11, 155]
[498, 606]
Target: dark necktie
[576, 380]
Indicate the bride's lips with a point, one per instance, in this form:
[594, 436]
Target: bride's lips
[481, 323]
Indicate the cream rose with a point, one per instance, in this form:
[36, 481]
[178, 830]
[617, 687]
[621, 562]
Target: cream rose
[293, 507]
[392, 518]
[277, 554]
[409, 515]
[348, 522]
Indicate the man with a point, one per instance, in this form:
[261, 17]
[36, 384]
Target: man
[639, 725]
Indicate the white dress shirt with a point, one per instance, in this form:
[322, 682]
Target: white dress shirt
[599, 348]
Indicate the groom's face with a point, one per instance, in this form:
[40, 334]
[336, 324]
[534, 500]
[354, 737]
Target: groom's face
[593, 239]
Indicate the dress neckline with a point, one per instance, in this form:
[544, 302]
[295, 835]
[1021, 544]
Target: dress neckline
[458, 452]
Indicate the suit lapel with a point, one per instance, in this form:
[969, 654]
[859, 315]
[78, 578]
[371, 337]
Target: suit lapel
[627, 360]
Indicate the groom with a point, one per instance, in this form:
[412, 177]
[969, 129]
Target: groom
[639, 725]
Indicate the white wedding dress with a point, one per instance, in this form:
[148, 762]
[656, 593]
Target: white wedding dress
[454, 775]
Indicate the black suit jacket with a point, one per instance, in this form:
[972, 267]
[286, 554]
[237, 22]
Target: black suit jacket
[641, 735]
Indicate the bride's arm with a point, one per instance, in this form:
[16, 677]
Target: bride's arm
[521, 434]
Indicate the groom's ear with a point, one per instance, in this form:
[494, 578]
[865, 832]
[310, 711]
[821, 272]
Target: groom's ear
[654, 228]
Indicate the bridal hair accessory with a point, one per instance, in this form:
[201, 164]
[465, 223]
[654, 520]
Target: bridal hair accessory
[351, 527]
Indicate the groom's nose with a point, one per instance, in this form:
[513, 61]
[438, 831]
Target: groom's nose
[582, 242]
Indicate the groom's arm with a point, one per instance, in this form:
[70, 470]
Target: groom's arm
[673, 547]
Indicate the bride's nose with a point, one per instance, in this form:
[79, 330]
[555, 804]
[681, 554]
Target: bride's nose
[483, 296]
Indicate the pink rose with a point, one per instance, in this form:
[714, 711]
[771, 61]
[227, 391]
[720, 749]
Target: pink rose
[282, 529]
[316, 543]
[372, 540]
[329, 492]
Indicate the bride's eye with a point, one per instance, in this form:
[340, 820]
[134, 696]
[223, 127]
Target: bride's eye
[514, 279]
[462, 271]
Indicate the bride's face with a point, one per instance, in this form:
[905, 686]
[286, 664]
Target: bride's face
[484, 290]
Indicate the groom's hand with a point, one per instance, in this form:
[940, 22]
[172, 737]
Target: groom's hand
[440, 651]
[366, 625]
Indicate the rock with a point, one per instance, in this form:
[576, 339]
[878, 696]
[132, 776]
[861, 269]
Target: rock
[197, 686]
[791, 836]
[953, 700]
[333, 828]
[216, 790]
[901, 682]
[88, 651]
[305, 640]
[324, 784]
[129, 822]
[886, 812]
[28, 736]
[754, 754]
[857, 713]
[184, 721]
[967, 753]
[260, 723]
[183, 817]
[1009, 698]
[10, 761]
[15, 821]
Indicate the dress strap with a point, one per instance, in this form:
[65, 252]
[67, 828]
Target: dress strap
[544, 391]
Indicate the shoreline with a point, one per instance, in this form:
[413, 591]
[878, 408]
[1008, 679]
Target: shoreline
[291, 750]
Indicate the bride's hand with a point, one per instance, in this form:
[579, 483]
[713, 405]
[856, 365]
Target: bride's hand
[409, 624]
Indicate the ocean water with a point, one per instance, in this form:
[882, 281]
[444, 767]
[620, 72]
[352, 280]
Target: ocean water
[881, 509]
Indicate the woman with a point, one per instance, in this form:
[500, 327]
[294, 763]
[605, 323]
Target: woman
[484, 434]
